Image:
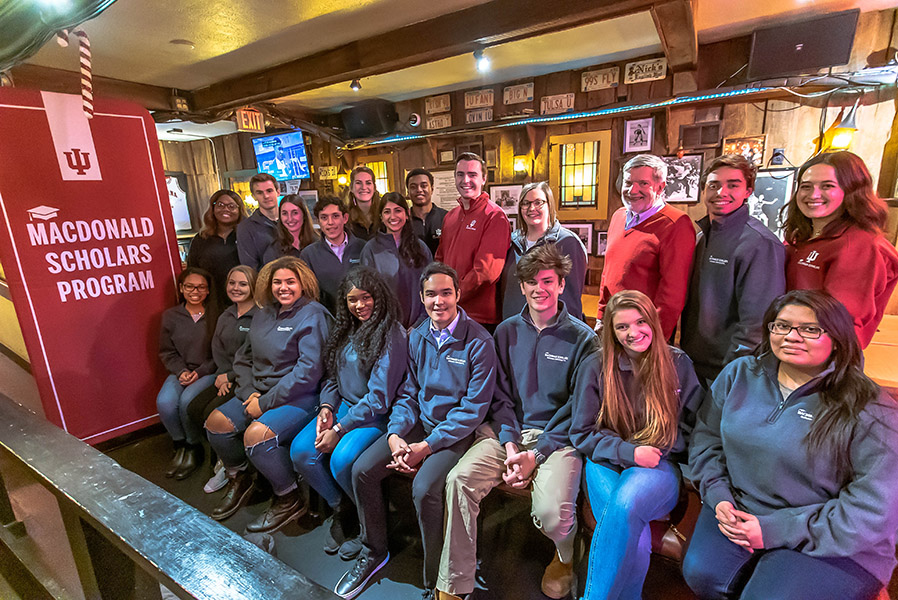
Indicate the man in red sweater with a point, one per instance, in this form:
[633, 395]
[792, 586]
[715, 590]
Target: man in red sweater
[650, 244]
[475, 239]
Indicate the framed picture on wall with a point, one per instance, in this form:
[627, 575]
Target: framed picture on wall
[773, 188]
[751, 147]
[584, 231]
[512, 220]
[310, 197]
[601, 243]
[506, 196]
[638, 135]
[176, 182]
[683, 175]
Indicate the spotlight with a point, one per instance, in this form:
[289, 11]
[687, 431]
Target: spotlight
[356, 85]
[483, 63]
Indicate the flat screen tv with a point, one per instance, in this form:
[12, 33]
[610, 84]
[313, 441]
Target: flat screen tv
[283, 156]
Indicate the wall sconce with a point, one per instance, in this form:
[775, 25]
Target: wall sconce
[482, 62]
[356, 85]
[342, 179]
[840, 134]
[522, 166]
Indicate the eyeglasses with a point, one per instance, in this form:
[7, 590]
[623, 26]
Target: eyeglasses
[537, 204]
[223, 206]
[808, 332]
[189, 287]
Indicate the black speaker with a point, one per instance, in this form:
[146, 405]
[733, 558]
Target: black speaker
[804, 47]
[369, 118]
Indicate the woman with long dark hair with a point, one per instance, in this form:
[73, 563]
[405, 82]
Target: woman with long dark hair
[366, 357]
[364, 220]
[293, 231]
[214, 248]
[633, 403]
[184, 350]
[795, 454]
[399, 255]
[834, 241]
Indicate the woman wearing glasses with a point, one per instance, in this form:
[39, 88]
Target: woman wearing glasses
[538, 226]
[214, 248]
[795, 454]
[185, 351]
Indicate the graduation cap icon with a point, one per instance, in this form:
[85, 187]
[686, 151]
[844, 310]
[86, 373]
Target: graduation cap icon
[42, 212]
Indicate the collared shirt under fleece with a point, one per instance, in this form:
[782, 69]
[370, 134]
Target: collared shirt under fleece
[654, 257]
[739, 269]
[475, 243]
[184, 343]
[606, 447]
[254, 235]
[282, 355]
[371, 392]
[328, 269]
[448, 389]
[430, 228]
[750, 448]
[859, 268]
[569, 245]
[382, 254]
[536, 376]
[230, 333]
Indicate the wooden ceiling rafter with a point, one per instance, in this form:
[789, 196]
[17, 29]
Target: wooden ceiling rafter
[675, 22]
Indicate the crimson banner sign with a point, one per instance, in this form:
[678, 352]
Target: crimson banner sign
[89, 251]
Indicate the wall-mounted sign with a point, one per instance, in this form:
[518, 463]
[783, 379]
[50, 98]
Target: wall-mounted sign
[479, 98]
[439, 121]
[328, 172]
[250, 119]
[601, 79]
[437, 104]
[480, 115]
[554, 105]
[645, 70]
[516, 94]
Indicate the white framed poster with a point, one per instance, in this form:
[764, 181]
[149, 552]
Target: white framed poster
[638, 135]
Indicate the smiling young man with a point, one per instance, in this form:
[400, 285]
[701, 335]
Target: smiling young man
[739, 269]
[427, 219]
[525, 439]
[650, 243]
[475, 240]
[258, 232]
[450, 383]
[335, 253]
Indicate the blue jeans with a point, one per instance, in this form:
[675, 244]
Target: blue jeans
[172, 401]
[623, 504]
[716, 568]
[329, 473]
[271, 457]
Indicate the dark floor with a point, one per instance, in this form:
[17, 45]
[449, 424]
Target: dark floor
[512, 551]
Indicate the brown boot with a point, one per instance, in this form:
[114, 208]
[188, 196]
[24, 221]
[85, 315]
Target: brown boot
[557, 579]
[236, 494]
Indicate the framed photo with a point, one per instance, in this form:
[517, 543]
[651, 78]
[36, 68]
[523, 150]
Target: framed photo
[751, 147]
[491, 157]
[447, 156]
[176, 182]
[638, 135]
[683, 175]
[773, 188]
[512, 220]
[310, 197]
[601, 243]
[506, 196]
[584, 232]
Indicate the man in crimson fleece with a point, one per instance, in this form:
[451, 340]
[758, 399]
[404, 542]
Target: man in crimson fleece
[475, 239]
[650, 244]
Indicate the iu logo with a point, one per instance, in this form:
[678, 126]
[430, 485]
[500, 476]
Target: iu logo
[78, 161]
[472, 225]
[812, 256]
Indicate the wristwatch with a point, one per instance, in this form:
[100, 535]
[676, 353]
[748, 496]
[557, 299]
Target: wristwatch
[338, 429]
[539, 456]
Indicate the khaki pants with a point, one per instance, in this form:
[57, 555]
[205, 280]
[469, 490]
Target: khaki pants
[554, 508]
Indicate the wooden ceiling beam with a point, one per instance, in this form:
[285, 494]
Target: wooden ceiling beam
[675, 21]
[442, 37]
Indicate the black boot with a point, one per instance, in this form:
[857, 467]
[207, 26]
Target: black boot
[343, 526]
[236, 494]
[283, 509]
[177, 459]
[193, 458]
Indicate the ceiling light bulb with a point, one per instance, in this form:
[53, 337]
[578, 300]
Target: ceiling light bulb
[483, 63]
[356, 85]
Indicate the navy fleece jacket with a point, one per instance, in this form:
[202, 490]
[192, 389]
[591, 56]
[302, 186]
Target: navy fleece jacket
[230, 333]
[184, 343]
[328, 269]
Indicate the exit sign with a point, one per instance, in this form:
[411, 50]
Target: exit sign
[250, 119]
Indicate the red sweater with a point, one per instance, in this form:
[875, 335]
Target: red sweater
[859, 268]
[654, 257]
[474, 242]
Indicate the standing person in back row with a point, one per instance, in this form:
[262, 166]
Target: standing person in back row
[258, 232]
[650, 243]
[739, 270]
[475, 239]
[427, 219]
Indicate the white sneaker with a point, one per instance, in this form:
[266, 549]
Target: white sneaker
[217, 481]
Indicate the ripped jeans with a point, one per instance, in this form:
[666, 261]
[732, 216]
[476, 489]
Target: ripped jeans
[271, 457]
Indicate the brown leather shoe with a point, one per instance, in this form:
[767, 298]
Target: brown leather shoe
[236, 494]
[283, 509]
[558, 579]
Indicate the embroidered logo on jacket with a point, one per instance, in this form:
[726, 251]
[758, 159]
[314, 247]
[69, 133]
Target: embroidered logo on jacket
[242, 328]
[718, 261]
[809, 259]
[472, 226]
[555, 357]
[284, 328]
[802, 413]
[456, 361]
